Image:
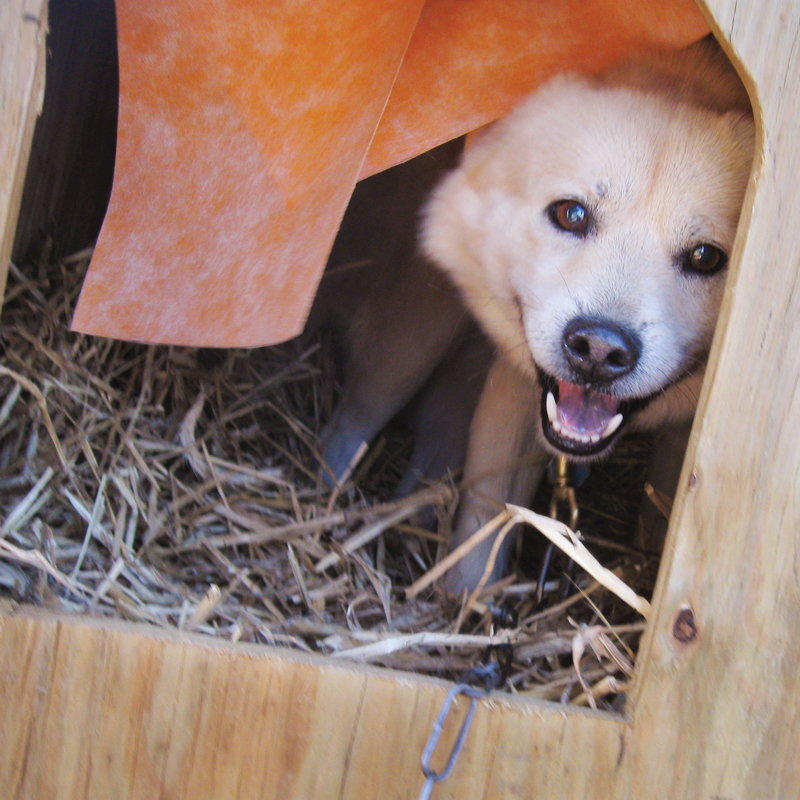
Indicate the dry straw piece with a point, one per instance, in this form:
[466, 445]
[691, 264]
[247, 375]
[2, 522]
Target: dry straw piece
[568, 540]
[183, 488]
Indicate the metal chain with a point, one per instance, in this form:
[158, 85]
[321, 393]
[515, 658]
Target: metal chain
[492, 674]
[431, 776]
[562, 499]
[475, 684]
[564, 493]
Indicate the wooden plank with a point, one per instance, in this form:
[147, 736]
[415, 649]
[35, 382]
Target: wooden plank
[717, 716]
[99, 709]
[23, 28]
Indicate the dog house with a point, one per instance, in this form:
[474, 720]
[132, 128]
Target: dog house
[96, 709]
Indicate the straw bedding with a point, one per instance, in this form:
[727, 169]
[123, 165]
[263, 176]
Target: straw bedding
[183, 488]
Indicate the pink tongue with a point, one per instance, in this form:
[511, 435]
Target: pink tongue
[580, 410]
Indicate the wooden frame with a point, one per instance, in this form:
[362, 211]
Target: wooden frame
[98, 710]
[23, 29]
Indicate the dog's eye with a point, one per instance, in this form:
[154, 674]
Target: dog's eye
[570, 216]
[705, 258]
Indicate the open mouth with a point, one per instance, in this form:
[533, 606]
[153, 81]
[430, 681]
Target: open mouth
[580, 421]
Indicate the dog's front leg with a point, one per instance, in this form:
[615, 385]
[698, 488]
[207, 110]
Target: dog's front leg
[394, 340]
[505, 462]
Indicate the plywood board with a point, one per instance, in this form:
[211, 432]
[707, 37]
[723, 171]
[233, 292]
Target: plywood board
[102, 710]
[23, 29]
[718, 715]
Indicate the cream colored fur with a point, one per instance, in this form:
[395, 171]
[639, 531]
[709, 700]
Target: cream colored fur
[660, 152]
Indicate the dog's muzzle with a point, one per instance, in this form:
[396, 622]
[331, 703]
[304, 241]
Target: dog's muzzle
[583, 418]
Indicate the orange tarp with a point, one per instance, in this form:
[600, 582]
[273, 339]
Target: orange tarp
[244, 126]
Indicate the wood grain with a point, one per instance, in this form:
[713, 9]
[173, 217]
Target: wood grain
[718, 716]
[23, 27]
[96, 709]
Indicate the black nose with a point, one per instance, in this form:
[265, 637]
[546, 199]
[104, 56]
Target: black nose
[600, 351]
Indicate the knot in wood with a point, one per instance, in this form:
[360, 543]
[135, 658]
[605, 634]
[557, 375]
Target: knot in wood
[684, 629]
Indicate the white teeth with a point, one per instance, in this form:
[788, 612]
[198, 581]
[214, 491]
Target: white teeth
[552, 408]
[615, 422]
[594, 438]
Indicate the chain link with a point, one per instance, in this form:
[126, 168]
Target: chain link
[475, 684]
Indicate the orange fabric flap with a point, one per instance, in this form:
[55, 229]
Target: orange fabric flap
[243, 127]
[470, 63]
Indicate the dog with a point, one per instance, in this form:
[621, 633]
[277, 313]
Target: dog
[588, 233]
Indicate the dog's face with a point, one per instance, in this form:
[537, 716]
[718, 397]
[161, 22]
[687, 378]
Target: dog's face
[589, 233]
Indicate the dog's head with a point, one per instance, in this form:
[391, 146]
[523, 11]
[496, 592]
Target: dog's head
[589, 232]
